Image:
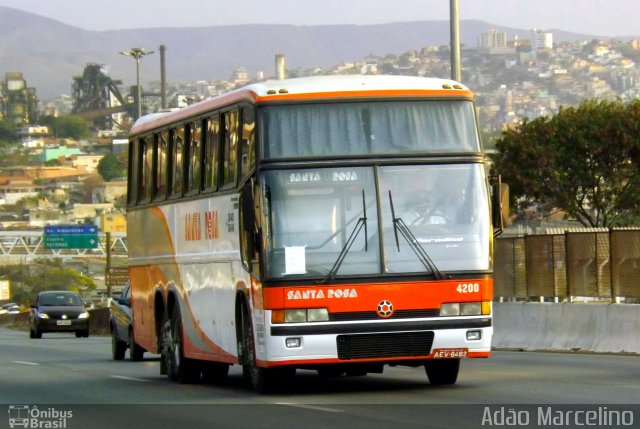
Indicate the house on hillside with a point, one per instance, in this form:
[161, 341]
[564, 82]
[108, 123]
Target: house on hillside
[53, 183]
[109, 192]
[12, 191]
[79, 213]
[87, 163]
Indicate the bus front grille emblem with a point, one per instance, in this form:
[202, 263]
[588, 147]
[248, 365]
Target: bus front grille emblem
[385, 309]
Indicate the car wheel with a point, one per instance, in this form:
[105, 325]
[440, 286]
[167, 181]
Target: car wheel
[179, 368]
[136, 352]
[442, 371]
[35, 333]
[118, 347]
[81, 334]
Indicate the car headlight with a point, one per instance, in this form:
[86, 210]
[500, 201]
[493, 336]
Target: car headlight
[43, 315]
[84, 315]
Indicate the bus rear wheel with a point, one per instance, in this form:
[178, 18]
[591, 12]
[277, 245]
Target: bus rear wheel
[179, 368]
[442, 371]
[136, 353]
[118, 348]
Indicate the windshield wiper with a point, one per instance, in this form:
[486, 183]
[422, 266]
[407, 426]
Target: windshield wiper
[362, 222]
[399, 225]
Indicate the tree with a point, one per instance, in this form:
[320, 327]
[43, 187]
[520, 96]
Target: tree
[7, 131]
[585, 161]
[73, 127]
[110, 167]
[29, 279]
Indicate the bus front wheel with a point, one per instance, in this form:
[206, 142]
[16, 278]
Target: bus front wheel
[442, 371]
[262, 380]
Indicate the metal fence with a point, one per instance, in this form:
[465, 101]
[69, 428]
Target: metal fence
[603, 264]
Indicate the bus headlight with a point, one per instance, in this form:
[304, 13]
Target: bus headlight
[299, 315]
[450, 309]
[295, 316]
[317, 315]
[465, 308]
[470, 309]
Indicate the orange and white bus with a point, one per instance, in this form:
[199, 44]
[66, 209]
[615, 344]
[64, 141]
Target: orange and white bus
[336, 223]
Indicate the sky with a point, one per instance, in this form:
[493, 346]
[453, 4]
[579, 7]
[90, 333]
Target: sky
[596, 17]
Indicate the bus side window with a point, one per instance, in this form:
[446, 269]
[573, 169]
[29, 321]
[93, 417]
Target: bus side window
[194, 173]
[132, 179]
[230, 149]
[162, 145]
[177, 159]
[211, 152]
[145, 171]
[247, 148]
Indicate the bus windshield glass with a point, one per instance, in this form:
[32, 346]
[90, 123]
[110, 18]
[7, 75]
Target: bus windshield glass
[362, 128]
[310, 215]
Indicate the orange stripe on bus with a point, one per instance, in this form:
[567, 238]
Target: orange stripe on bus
[368, 94]
[366, 297]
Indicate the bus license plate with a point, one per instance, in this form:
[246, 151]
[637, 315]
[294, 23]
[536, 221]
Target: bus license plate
[450, 353]
[63, 322]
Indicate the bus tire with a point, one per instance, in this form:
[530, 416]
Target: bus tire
[136, 353]
[442, 371]
[262, 380]
[118, 348]
[179, 368]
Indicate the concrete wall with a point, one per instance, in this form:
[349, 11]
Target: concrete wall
[609, 328]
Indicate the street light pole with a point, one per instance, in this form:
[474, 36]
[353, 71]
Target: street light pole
[137, 53]
[454, 18]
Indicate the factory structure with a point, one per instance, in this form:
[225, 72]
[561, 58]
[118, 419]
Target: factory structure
[18, 102]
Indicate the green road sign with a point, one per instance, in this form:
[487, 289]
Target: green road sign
[71, 241]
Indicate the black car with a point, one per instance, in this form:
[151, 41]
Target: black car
[121, 324]
[58, 311]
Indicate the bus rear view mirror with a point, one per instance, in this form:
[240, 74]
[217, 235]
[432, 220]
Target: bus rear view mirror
[499, 205]
[248, 210]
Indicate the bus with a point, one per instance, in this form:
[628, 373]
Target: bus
[337, 224]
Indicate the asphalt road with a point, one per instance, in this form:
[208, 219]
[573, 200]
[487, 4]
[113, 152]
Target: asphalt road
[60, 372]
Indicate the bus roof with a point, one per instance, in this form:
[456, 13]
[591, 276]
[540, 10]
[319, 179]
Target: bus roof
[310, 88]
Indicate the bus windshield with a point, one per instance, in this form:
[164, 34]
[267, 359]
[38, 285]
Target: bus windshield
[311, 213]
[362, 128]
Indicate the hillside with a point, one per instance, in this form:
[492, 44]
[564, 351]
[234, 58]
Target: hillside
[50, 53]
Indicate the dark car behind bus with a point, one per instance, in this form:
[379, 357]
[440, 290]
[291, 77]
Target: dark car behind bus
[58, 311]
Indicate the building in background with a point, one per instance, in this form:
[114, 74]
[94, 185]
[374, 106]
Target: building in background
[492, 39]
[540, 41]
[18, 103]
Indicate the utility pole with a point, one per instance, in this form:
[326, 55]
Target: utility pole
[107, 269]
[137, 53]
[454, 17]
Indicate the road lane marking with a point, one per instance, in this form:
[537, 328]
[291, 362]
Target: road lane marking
[25, 363]
[122, 377]
[310, 407]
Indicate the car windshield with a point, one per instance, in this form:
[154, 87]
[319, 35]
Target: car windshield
[59, 300]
